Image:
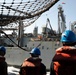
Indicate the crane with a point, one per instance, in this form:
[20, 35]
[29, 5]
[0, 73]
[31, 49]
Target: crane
[51, 29]
[61, 20]
[48, 22]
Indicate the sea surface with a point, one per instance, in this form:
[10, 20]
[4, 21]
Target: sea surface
[15, 71]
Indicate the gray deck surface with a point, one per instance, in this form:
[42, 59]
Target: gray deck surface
[14, 71]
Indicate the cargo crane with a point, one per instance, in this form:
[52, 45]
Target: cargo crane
[51, 29]
[61, 20]
[48, 32]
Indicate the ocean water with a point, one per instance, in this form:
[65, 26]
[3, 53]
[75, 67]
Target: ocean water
[15, 71]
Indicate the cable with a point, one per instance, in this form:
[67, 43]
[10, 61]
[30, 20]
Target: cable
[13, 41]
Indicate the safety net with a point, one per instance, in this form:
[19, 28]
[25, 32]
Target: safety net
[13, 11]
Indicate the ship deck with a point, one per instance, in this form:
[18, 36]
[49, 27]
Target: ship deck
[15, 71]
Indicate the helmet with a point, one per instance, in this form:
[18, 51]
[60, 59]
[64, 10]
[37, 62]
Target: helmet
[68, 36]
[2, 48]
[35, 51]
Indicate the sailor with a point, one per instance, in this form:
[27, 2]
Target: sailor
[3, 63]
[33, 64]
[64, 61]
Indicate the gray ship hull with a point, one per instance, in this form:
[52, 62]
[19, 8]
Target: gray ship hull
[15, 55]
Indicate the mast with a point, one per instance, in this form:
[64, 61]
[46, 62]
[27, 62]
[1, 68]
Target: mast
[21, 34]
[61, 20]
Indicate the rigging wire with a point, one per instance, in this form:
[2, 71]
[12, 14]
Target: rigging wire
[17, 44]
[30, 12]
[14, 42]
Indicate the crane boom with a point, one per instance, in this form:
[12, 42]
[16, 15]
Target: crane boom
[52, 31]
[61, 20]
[48, 21]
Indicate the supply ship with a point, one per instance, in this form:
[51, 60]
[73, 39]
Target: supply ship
[48, 41]
[19, 44]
